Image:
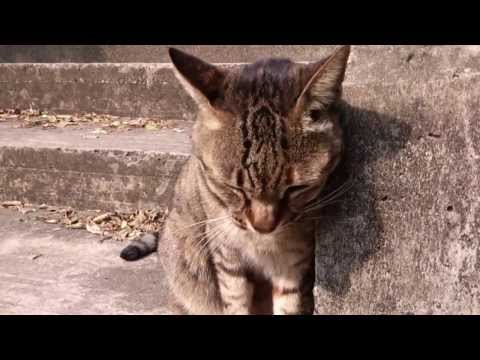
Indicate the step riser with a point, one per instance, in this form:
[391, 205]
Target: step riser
[152, 90]
[105, 180]
[211, 53]
[125, 90]
[159, 53]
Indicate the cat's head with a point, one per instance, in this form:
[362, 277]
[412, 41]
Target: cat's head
[267, 134]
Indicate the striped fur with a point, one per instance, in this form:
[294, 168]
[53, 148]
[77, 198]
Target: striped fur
[239, 238]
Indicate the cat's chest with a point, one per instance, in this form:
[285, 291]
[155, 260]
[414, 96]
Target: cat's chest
[270, 262]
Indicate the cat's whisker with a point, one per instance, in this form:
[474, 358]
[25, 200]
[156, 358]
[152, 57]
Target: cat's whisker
[322, 205]
[208, 232]
[206, 243]
[339, 190]
[331, 198]
[203, 222]
[346, 185]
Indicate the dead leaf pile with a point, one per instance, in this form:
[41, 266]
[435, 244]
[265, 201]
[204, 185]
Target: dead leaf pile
[119, 226]
[44, 119]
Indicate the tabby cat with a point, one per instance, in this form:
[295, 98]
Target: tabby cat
[239, 238]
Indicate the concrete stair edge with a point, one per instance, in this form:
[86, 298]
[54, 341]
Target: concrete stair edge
[152, 89]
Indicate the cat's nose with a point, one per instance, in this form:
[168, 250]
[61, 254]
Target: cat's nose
[263, 217]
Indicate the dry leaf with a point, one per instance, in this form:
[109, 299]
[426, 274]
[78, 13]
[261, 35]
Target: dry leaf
[101, 218]
[94, 228]
[68, 221]
[52, 221]
[151, 126]
[77, 225]
[26, 210]
[11, 203]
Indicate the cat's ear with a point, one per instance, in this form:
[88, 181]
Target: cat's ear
[324, 82]
[203, 81]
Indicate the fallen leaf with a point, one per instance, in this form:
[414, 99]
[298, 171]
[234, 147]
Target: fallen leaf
[52, 221]
[151, 126]
[124, 225]
[26, 210]
[94, 228]
[101, 218]
[11, 203]
[77, 225]
[71, 221]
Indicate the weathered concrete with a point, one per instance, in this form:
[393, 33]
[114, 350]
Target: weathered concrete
[212, 53]
[144, 89]
[153, 53]
[124, 170]
[406, 238]
[46, 270]
[117, 89]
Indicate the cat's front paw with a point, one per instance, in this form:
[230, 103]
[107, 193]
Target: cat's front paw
[292, 302]
[236, 310]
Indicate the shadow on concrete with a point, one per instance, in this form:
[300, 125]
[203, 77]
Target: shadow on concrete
[350, 231]
[51, 53]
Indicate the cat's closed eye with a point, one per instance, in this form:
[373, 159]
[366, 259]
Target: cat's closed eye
[301, 195]
[241, 192]
[294, 190]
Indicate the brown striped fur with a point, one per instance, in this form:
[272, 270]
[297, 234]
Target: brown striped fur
[238, 239]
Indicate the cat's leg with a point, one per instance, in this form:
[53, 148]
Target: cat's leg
[235, 289]
[293, 287]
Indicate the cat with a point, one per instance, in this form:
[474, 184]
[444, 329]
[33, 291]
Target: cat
[239, 238]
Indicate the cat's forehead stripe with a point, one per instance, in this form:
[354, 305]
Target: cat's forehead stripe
[273, 81]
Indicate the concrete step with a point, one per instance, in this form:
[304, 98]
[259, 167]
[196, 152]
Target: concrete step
[122, 170]
[212, 53]
[151, 89]
[46, 270]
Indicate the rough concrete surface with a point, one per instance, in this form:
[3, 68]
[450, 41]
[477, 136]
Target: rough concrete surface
[406, 237]
[66, 272]
[212, 53]
[151, 89]
[123, 170]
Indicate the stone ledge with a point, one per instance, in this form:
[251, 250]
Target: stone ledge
[123, 170]
[151, 89]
